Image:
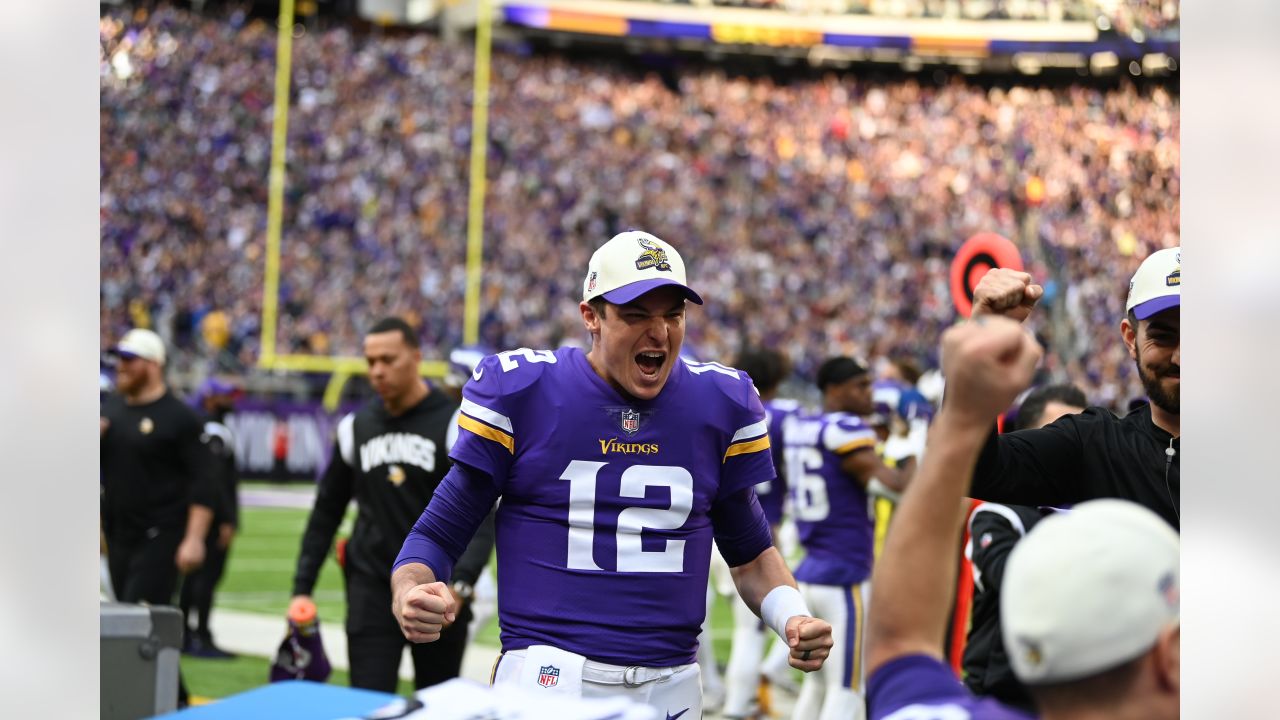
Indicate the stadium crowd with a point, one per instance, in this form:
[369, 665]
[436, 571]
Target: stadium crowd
[1147, 15]
[822, 210]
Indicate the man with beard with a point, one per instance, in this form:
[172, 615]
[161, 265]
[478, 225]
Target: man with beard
[157, 492]
[1096, 454]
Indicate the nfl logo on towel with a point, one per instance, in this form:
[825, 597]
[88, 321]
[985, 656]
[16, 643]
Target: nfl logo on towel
[548, 676]
[630, 421]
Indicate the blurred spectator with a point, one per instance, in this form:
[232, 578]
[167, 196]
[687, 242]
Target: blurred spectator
[213, 400]
[1124, 15]
[819, 232]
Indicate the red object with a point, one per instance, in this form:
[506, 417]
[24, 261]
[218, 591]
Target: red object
[302, 611]
[340, 549]
[964, 592]
[975, 257]
[964, 603]
[280, 446]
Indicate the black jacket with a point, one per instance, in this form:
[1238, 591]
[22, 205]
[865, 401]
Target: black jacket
[1081, 457]
[391, 466]
[993, 531]
[217, 437]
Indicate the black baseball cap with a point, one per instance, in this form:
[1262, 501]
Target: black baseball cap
[839, 369]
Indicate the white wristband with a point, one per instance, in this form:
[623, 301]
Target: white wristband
[780, 605]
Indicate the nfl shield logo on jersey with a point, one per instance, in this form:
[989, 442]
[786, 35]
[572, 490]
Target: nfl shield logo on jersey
[548, 676]
[630, 421]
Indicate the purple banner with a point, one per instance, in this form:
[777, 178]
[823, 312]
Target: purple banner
[283, 440]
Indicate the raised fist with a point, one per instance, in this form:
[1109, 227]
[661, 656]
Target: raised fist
[987, 362]
[1006, 292]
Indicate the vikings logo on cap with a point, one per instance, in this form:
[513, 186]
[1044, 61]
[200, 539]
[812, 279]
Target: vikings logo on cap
[1157, 285]
[652, 257]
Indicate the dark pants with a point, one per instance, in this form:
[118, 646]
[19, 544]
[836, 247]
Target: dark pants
[198, 587]
[144, 569]
[375, 642]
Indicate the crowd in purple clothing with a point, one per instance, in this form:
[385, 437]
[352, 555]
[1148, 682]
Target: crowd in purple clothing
[818, 214]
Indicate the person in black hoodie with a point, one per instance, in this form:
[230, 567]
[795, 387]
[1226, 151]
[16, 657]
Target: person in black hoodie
[214, 399]
[390, 455]
[1096, 454]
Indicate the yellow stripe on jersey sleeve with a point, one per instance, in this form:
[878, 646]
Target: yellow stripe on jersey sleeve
[855, 445]
[487, 432]
[747, 447]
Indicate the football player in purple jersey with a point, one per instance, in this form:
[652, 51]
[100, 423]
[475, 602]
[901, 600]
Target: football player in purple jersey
[1089, 606]
[831, 459]
[616, 469]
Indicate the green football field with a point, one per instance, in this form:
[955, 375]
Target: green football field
[258, 579]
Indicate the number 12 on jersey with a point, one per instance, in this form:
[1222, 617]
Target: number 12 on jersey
[632, 521]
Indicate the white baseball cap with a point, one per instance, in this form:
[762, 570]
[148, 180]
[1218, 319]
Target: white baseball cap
[1088, 590]
[1157, 285]
[141, 343]
[631, 264]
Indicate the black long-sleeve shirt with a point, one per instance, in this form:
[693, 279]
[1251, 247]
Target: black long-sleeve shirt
[154, 467]
[391, 465]
[993, 531]
[1080, 457]
[217, 437]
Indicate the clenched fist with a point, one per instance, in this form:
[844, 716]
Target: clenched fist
[987, 362]
[810, 641]
[1006, 292]
[424, 610]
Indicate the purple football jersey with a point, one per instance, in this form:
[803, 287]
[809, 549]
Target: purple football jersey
[774, 492]
[603, 533]
[918, 687]
[831, 510]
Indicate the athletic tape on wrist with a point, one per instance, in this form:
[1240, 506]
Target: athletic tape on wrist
[780, 605]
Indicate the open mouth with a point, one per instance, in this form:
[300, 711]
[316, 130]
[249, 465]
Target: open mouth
[650, 362]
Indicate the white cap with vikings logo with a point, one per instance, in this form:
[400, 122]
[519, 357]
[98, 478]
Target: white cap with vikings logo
[1157, 285]
[631, 264]
[141, 343]
[1088, 590]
